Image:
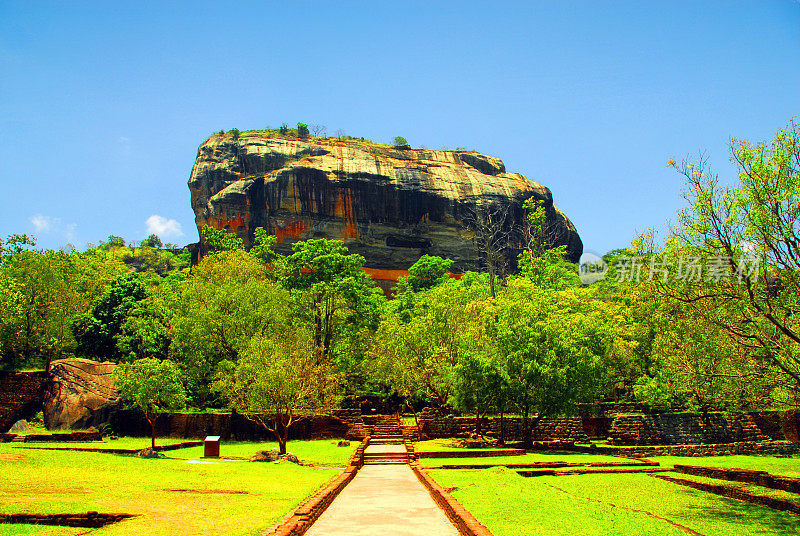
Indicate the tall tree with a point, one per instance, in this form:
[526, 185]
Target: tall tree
[95, 331]
[227, 300]
[418, 351]
[551, 344]
[331, 291]
[152, 386]
[748, 237]
[278, 381]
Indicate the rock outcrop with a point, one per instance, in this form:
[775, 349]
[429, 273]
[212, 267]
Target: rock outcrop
[389, 205]
[80, 394]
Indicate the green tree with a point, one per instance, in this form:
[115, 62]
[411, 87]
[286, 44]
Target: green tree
[114, 241]
[551, 345]
[746, 234]
[152, 386]
[302, 131]
[542, 261]
[427, 272]
[400, 142]
[152, 241]
[147, 330]
[331, 291]
[96, 330]
[481, 386]
[15, 244]
[46, 289]
[418, 353]
[227, 300]
[220, 239]
[277, 381]
[263, 242]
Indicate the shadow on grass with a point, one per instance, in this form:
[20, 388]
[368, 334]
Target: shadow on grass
[736, 512]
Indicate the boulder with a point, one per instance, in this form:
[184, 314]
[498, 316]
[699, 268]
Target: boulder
[149, 453]
[80, 394]
[265, 456]
[19, 427]
[389, 205]
[273, 455]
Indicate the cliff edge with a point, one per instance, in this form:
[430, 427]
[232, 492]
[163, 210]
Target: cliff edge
[390, 205]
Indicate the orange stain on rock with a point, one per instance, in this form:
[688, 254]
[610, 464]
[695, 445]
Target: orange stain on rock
[344, 210]
[290, 230]
[222, 222]
[393, 275]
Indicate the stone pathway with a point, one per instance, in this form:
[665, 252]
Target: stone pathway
[383, 500]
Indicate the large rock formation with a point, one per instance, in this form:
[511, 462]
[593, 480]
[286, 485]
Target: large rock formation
[80, 394]
[390, 205]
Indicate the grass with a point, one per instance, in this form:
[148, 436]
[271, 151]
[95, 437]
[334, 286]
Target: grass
[48, 481]
[604, 505]
[137, 443]
[750, 488]
[537, 457]
[773, 465]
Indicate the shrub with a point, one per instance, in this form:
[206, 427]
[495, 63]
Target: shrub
[400, 142]
[302, 130]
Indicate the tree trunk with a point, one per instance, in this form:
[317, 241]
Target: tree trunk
[526, 427]
[416, 420]
[317, 330]
[281, 433]
[152, 421]
[502, 436]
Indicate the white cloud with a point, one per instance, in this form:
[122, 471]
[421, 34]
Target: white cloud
[48, 224]
[163, 227]
[42, 223]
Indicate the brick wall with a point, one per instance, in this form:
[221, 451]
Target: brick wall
[21, 396]
[562, 429]
[746, 448]
[683, 429]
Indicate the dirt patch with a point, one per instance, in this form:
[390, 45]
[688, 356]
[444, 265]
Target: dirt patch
[12, 457]
[211, 491]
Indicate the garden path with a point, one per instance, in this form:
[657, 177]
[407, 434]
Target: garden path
[383, 499]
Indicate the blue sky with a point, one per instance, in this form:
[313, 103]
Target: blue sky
[103, 105]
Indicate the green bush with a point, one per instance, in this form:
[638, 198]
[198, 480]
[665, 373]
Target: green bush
[400, 142]
[302, 131]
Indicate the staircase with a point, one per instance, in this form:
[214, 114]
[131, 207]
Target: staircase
[386, 445]
[386, 430]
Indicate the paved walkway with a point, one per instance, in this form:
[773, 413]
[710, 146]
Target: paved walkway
[383, 500]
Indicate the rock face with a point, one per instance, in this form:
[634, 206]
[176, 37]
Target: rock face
[80, 394]
[389, 205]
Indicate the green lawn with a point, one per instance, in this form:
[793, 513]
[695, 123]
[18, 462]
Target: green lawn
[535, 457]
[750, 488]
[604, 505]
[776, 466]
[121, 443]
[48, 481]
